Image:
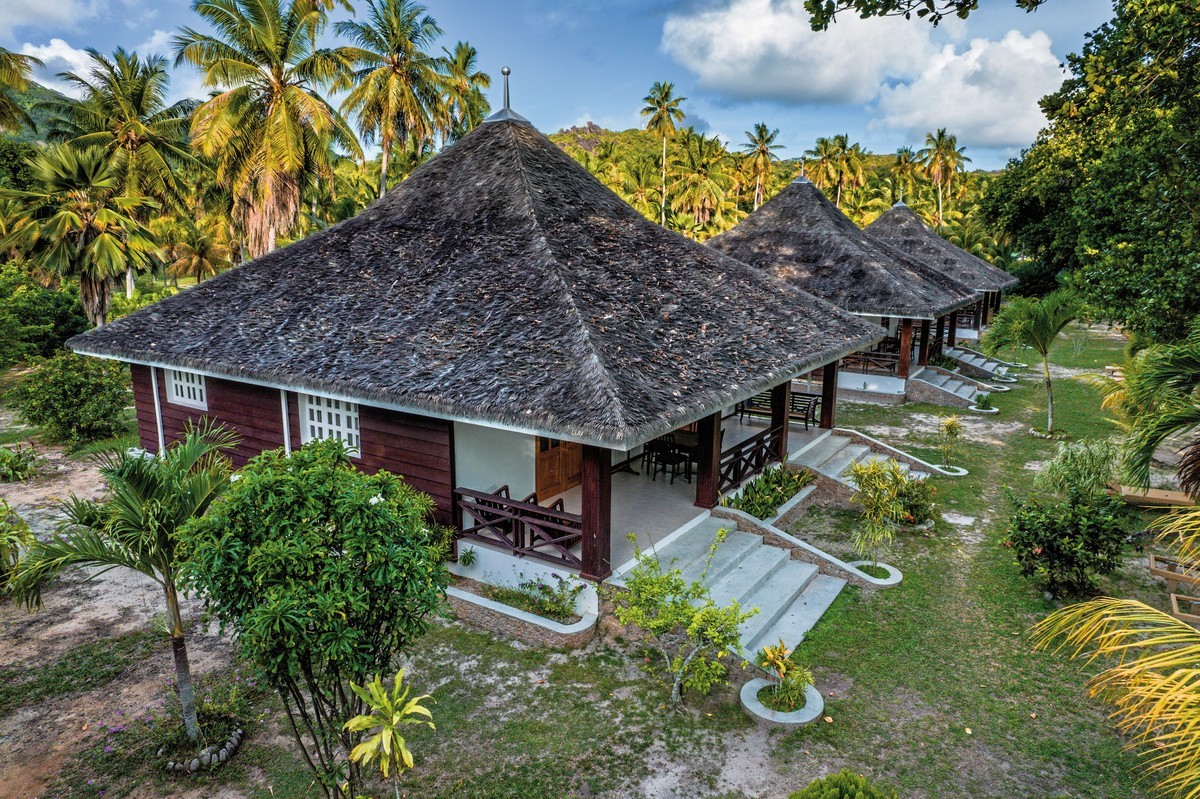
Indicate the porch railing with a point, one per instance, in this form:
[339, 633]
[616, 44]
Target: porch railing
[966, 318]
[523, 528]
[748, 457]
[872, 362]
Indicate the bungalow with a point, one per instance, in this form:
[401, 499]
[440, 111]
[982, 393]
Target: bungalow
[904, 230]
[803, 238]
[511, 337]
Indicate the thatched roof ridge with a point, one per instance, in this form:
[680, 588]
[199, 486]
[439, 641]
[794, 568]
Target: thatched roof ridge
[800, 236]
[903, 229]
[501, 284]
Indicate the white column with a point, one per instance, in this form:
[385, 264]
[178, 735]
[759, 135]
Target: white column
[162, 445]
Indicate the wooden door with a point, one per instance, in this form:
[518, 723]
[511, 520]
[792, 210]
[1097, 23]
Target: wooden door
[559, 467]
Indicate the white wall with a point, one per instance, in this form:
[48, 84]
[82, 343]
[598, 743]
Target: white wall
[486, 458]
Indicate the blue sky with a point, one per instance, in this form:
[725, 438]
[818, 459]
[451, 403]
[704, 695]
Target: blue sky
[885, 82]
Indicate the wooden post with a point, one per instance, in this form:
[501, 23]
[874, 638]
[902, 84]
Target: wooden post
[708, 457]
[905, 348]
[923, 347]
[987, 309]
[978, 314]
[781, 406]
[952, 333]
[940, 335]
[996, 301]
[829, 381]
[597, 512]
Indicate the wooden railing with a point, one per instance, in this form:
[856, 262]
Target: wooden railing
[872, 362]
[748, 458]
[966, 318]
[523, 528]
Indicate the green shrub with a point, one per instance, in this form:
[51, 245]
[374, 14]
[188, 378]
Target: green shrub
[1068, 545]
[843, 785]
[916, 500]
[140, 299]
[15, 539]
[1081, 468]
[789, 679]
[950, 430]
[73, 398]
[762, 496]
[35, 321]
[551, 599]
[18, 464]
[983, 401]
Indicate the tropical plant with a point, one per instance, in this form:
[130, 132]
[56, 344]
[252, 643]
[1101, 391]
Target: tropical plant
[1163, 396]
[73, 398]
[43, 317]
[789, 679]
[198, 253]
[949, 431]
[702, 179]
[465, 103]
[390, 712]
[15, 540]
[906, 170]
[267, 129]
[843, 785]
[18, 464]
[942, 159]
[1081, 468]
[310, 623]
[1034, 323]
[554, 598]
[878, 482]
[663, 110]
[78, 225]
[762, 496]
[1068, 545]
[16, 71]
[760, 149]
[688, 632]
[916, 501]
[136, 528]
[397, 87]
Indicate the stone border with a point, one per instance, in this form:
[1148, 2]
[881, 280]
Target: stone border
[894, 575]
[814, 705]
[793, 506]
[506, 620]
[211, 756]
[875, 445]
[983, 410]
[952, 471]
[982, 385]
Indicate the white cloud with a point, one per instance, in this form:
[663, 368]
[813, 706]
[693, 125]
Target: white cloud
[159, 43]
[56, 14]
[59, 56]
[767, 50]
[987, 95]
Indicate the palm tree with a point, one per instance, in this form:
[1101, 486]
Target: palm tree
[1163, 397]
[849, 165]
[905, 170]
[267, 129]
[760, 146]
[703, 178]
[466, 104]
[124, 110]
[1035, 323]
[135, 528]
[638, 187]
[199, 253]
[397, 85]
[16, 71]
[79, 225]
[663, 109]
[942, 159]
[821, 168]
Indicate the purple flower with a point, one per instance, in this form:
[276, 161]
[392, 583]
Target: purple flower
[108, 749]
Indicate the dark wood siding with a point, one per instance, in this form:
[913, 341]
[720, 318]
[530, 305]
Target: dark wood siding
[143, 403]
[417, 448]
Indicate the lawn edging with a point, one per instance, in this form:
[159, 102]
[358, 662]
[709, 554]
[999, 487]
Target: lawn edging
[814, 705]
[898, 454]
[506, 620]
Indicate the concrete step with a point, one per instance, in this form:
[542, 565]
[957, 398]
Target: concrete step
[692, 545]
[749, 575]
[874, 456]
[801, 616]
[820, 453]
[952, 386]
[965, 390]
[846, 456]
[774, 598]
[935, 378]
[736, 548]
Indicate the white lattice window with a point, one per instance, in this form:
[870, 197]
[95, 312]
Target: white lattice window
[322, 417]
[186, 388]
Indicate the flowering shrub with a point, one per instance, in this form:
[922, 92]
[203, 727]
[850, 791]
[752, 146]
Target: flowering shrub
[1068, 545]
[553, 598]
[916, 500]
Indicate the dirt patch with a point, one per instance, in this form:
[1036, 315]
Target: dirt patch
[63, 477]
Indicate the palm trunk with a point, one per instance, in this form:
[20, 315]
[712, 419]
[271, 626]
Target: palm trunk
[838, 204]
[757, 192]
[183, 670]
[663, 210]
[939, 227]
[383, 166]
[129, 283]
[1049, 395]
[95, 296]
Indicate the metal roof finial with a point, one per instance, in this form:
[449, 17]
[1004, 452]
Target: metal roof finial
[505, 71]
[802, 178]
[506, 113]
[901, 200]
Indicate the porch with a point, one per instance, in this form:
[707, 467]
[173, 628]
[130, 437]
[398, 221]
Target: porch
[585, 527]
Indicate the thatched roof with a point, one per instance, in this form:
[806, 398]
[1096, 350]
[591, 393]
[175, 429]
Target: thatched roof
[500, 284]
[800, 236]
[904, 230]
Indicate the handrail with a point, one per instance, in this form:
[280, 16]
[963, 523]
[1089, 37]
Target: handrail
[748, 457]
[522, 528]
[887, 362]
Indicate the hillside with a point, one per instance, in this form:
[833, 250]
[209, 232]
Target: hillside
[29, 101]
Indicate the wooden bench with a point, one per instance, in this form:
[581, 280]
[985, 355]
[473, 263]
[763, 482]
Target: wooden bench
[803, 407]
[1185, 608]
[1154, 497]
[1175, 571]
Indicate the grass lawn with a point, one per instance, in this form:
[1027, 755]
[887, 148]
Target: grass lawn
[931, 686]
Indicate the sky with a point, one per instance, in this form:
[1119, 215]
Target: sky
[885, 82]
